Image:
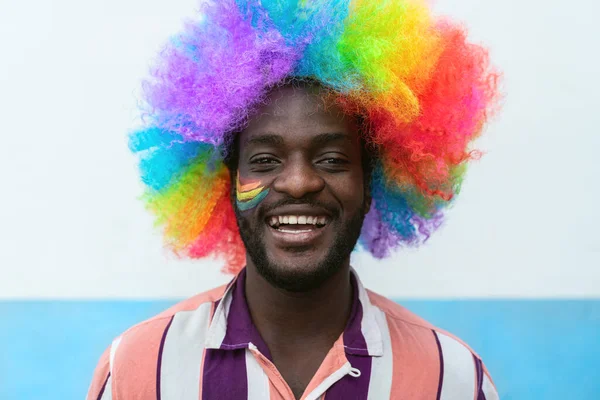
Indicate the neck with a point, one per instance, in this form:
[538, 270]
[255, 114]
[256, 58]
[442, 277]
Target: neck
[283, 316]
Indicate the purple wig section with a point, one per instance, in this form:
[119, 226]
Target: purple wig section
[426, 226]
[376, 236]
[209, 75]
[380, 239]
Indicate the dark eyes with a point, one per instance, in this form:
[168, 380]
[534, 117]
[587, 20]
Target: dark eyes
[264, 160]
[267, 163]
[334, 160]
[270, 160]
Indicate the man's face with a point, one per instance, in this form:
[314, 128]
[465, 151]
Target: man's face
[308, 156]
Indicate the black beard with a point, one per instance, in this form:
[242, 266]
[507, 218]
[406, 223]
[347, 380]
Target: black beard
[297, 281]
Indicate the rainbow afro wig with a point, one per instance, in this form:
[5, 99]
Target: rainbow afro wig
[423, 92]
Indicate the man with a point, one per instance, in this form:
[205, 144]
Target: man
[261, 114]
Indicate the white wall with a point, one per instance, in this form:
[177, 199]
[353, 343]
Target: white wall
[524, 225]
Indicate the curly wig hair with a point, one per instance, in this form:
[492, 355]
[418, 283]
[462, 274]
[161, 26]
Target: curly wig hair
[420, 89]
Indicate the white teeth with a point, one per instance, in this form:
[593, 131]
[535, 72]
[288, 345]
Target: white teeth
[277, 220]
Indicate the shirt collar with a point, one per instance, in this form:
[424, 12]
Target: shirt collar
[231, 327]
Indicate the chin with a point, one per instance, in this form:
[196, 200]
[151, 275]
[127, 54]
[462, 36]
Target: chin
[298, 271]
[297, 264]
[303, 260]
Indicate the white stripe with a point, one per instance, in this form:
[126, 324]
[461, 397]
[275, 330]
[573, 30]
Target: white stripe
[459, 370]
[369, 327]
[182, 354]
[107, 395]
[113, 350]
[488, 389]
[380, 384]
[258, 381]
[218, 326]
[327, 382]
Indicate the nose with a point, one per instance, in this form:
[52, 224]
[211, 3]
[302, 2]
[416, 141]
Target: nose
[298, 179]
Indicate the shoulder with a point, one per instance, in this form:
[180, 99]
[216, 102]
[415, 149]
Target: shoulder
[435, 351]
[133, 356]
[153, 329]
[400, 318]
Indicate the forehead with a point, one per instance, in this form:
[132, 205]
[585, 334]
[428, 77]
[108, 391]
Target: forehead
[303, 100]
[297, 114]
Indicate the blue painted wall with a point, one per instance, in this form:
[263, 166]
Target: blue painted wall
[538, 349]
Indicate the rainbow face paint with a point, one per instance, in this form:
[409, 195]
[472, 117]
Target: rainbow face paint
[249, 195]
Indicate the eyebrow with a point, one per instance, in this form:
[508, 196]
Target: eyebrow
[325, 138]
[319, 140]
[266, 139]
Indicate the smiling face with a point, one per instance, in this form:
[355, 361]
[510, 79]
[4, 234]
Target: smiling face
[306, 157]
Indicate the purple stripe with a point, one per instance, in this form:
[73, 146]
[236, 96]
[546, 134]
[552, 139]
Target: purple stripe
[354, 341]
[160, 354]
[240, 328]
[437, 340]
[479, 369]
[481, 395]
[357, 354]
[224, 375]
[103, 387]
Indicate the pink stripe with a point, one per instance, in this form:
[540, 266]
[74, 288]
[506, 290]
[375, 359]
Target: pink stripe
[333, 361]
[416, 361]
[274, 393]
[135, 363]
[100, 378]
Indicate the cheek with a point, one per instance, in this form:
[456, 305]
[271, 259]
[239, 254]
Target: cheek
[350, 191]
[250, 194]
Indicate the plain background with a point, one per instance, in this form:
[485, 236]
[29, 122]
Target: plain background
[525, 224]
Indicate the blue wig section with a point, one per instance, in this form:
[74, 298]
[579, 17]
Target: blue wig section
[164, 156]
[332, 70]
[316, 27]
[387, 198]
[298, 21]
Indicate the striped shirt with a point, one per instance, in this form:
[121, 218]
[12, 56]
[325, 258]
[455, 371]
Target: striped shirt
[207, 348]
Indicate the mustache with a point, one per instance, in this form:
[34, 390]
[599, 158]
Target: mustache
[304, 202]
